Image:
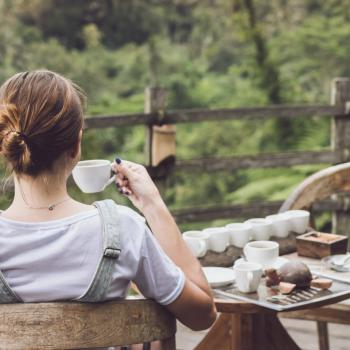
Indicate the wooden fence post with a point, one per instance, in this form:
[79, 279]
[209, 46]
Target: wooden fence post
[160, 148]
[341, 144]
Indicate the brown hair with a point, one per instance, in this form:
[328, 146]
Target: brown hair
[41, 115]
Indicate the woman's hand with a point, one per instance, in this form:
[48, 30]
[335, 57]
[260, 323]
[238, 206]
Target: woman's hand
[133, 180]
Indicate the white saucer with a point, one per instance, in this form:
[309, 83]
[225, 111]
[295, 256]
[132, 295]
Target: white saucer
[219, 276]
[276, 265]
[328, 261]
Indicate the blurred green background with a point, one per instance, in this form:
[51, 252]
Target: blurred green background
[207, 53]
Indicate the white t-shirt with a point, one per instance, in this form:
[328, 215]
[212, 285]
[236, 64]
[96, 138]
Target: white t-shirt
[56, 260]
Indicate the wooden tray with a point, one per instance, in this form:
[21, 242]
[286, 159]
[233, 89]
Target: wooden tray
[300, 298]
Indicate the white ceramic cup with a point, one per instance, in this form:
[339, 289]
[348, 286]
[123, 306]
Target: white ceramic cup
[262, 228]
[93, 176]
[248, 276]
[299, 220]
[218, 238]
[240, 233]
[281, 225]
[197, 242]
[262, 252]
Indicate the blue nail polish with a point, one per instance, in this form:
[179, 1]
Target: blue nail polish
[117, 184]
[127, 193]
[118, 160]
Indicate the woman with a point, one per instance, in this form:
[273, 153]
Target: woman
[50, 244]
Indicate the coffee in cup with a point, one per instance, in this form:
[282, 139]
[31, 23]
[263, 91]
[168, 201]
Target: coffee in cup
[262, 252]
[93, 176]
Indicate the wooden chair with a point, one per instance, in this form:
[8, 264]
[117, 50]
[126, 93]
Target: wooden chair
[319, 186]
[68, 325]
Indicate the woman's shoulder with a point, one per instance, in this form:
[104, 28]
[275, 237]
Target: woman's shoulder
[132, 224]
[128, 214]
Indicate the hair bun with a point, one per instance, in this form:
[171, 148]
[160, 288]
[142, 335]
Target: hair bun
[13, 144]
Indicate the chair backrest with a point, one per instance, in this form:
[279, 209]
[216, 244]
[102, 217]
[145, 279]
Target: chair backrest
[68, 325]
[319, 186]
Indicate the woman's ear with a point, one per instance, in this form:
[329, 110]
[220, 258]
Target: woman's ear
[77, 148]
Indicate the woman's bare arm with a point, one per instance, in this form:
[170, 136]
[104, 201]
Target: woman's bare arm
[195, 306]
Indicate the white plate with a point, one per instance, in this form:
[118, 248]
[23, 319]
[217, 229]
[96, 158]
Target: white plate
[278, 263]
[219, 276]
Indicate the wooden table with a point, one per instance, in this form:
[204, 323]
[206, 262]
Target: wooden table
[245, 326]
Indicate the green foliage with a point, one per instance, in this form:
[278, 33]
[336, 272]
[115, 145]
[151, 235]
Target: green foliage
[206, 54]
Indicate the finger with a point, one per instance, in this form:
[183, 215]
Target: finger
[125, 191]
[122, 183]
[124, 171]
[127, 168]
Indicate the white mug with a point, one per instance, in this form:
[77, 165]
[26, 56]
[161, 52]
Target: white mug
[262, 228]
[299, 220]
[197, 242]
[218, 238]
[240, 233]
[281, 224]
[93, 176]
[262, 252]
[248, 276]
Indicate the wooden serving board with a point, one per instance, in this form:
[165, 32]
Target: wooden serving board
[232, 253]
[271, 298]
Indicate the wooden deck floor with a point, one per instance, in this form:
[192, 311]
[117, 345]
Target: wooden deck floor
[303, 332]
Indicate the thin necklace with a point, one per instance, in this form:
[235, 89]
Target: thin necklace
[50, 207]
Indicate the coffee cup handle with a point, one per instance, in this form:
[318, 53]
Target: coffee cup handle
[202, 247]
[245, 252]
[250, 280]
[111, 180]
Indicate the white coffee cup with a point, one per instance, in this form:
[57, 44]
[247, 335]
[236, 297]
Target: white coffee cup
[281, 225]
[93, 176]
[262, 252]
[299, 220]
[262, 228]
[218, 238]
[248, 276]
[240, 233]
[197, 242]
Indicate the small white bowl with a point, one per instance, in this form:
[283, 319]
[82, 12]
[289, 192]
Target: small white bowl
[281, 224]
[299, 220]
[218, 238]
[262, 228]
[240, 233]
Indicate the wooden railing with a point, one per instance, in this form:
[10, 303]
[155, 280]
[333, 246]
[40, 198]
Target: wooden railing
[161, 156]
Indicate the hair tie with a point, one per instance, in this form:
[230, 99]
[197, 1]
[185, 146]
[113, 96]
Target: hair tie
[19, 133]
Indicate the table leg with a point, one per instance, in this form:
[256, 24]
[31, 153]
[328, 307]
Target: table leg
[247, 332]
[322, 331]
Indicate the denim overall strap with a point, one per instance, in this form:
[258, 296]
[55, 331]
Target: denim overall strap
[7, 295]
[111, 251]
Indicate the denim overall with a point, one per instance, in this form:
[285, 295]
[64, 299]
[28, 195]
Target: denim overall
[111, 250]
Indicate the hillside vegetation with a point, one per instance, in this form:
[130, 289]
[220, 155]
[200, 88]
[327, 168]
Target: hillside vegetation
[208, 53]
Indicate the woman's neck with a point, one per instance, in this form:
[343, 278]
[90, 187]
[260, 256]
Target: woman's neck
[34, 197]
[39, 192]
